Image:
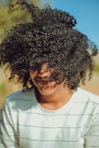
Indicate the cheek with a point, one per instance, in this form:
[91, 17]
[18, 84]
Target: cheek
[32, 75]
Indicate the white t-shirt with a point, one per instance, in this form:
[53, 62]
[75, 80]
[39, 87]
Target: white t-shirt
[26, 124]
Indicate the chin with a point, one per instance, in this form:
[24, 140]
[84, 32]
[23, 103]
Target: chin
[46, 90]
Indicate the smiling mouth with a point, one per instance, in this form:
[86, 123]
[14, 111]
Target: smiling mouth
[42, 80]
[43, 83]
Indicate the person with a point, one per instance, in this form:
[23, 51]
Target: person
[50, 58]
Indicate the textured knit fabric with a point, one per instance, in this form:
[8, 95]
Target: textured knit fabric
[26, 124]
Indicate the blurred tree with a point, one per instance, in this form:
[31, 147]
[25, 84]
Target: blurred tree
[12, 13]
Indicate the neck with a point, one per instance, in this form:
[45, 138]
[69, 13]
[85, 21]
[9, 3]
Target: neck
[55, 100]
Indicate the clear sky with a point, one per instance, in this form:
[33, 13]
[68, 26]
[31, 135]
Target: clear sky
[87, 14]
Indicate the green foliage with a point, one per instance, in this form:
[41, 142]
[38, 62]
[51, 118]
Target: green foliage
[13, 16]
[10, 18]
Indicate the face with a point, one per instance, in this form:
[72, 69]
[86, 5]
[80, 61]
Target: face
[40, 80]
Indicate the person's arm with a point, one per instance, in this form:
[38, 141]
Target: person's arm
[8, 134]
[92, 136]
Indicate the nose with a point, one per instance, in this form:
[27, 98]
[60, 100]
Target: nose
[44, 72]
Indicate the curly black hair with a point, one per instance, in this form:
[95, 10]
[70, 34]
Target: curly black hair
[50, 38]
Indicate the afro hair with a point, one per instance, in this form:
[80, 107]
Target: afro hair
[50, 38]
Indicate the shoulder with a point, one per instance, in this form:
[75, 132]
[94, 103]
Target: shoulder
[87, 95]
[20, 99]
[21, 95]
[86, 99]
[85, 102]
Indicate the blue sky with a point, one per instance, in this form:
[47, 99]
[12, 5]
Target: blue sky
[87, 14]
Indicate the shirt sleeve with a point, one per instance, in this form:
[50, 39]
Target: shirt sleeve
[92, 136]
[8, 134]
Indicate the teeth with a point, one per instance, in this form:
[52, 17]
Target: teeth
[42, 80]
